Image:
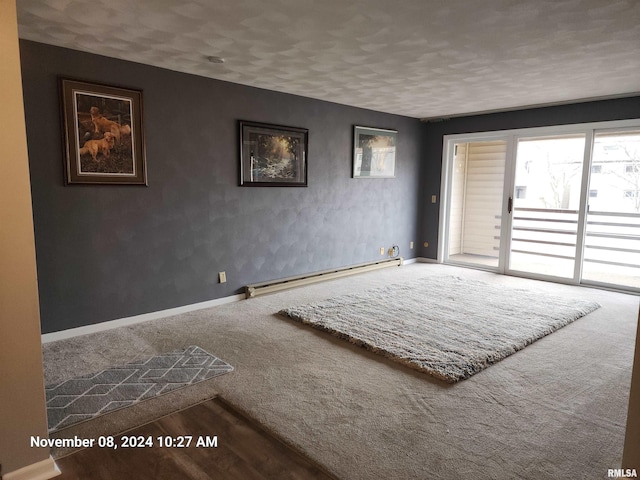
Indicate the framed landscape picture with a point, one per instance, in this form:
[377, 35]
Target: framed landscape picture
[103, 134]
[374, 152]
[273, 155]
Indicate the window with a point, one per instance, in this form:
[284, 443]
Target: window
[593, 193]
[630, 193]
[631, 168]
[596, 169]
[521, 192]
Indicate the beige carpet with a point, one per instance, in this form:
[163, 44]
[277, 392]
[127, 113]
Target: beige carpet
[556, 409]
[447, 326]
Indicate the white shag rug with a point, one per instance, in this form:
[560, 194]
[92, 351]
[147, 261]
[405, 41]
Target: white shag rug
[449, 327]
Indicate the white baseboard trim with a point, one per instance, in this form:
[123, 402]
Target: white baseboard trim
[419, 260]
[426, 260]
[36, 471]
[145, 317]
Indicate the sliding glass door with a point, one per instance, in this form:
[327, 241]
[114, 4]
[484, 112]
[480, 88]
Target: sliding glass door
[612, 242]
[545, 205]
[557, 203]
[476, 203]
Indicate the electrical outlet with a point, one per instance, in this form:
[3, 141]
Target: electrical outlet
[411, 245]
[222, 277]
[381, 250]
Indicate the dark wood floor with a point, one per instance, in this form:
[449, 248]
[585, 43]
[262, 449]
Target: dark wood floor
[244, 451]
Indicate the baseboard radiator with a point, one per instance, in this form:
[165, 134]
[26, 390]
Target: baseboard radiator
[258, 289]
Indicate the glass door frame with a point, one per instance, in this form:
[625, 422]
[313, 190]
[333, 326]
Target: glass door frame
[582, 208]
[608, 128]
[511, 137]
[446, 195]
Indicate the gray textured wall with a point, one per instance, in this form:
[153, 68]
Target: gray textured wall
[108, 252]
[598, 111]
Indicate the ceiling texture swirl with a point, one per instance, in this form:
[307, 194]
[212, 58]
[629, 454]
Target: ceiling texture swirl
[419, 58]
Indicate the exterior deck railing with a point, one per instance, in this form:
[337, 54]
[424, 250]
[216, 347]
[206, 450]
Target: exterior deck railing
[611, 238]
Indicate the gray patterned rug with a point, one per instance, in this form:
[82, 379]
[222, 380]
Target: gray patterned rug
[86, 397]
[449, 327]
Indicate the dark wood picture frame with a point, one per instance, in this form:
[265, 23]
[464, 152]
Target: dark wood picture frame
[273, 155]
[374, 152]
[103, 134]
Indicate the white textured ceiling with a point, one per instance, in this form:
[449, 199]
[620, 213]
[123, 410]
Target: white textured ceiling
[420, 58]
